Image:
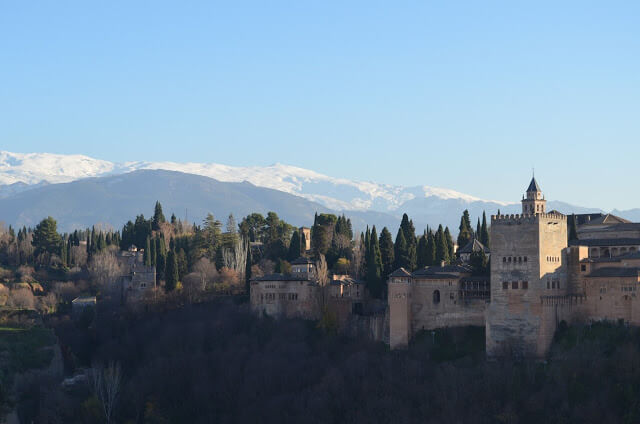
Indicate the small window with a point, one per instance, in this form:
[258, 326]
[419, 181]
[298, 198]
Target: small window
[505, 285]
[548, 285]
[525, 259]
[436, 297]
[525, 285]
[519, 259]
[509, 258]
[504, 259]
[514, 285]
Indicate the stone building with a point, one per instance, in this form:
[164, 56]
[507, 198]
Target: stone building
[434, 297]
[137, 280]
[537, 280]
[474, 246]
[292, 295]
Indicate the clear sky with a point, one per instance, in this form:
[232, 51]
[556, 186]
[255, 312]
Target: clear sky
[463, 95]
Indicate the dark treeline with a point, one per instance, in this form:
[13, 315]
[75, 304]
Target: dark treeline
[218, 363]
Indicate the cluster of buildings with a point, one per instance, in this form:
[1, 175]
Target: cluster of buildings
[538, 278]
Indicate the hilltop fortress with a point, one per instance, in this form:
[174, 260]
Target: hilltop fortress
[537, 280]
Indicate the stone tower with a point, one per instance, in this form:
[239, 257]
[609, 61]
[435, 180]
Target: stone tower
[399, 287]
[534, 201]
[528, 267]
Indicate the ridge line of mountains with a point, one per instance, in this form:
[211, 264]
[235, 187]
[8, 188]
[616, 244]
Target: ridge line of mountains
[79, 191]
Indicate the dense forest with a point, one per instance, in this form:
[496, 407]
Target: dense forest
[215, 362]
[195, 353]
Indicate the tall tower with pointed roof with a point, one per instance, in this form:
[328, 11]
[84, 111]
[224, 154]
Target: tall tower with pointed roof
[534, 202]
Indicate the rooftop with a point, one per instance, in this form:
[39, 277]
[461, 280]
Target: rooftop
[302, 261]
[474, 245]
[533, 186]
[606, 242]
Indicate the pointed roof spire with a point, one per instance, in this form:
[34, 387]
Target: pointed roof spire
[533, 186]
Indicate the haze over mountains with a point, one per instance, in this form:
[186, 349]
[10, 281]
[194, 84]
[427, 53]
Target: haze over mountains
[80, 191]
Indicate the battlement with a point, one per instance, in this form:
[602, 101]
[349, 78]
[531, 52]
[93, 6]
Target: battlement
[525, 218]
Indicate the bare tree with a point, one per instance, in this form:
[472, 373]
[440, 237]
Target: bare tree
[206, 271]
[358, 258]
[236, 257]
[105, 383]
[21, 298]
[79, 255]
[104, 268]
[322, 271]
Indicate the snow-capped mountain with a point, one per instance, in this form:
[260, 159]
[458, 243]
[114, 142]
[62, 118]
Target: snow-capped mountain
[20, 171]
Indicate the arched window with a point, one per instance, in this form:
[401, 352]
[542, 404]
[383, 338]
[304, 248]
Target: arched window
[436, 297]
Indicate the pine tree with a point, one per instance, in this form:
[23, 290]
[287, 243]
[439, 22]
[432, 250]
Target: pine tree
[171, 274]
[573, 228]
[478, 233]
[219, 258]
[46, 238]
[294, 247]
[484, 230]
[158, 217]
[386, 252]
[174, 220]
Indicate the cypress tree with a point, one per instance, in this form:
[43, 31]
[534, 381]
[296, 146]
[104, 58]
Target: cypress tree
[422, 251]
[161, 256]
[407, 227]
[63, 253]
[147, 252]
[442, 247]
[153, 258]
[401, 252]
[478, 233]
[386, 252]
[247, 270]
[294, 247]
[374, 266]
[450, 246]
[172, 276]
[466, 233]
[430, 258]
[484, 230]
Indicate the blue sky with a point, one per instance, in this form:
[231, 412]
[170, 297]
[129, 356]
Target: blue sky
[463, 95]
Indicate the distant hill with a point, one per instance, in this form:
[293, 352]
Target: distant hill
[115, 199]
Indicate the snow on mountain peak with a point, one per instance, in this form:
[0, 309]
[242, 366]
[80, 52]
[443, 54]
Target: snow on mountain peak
[334, 193]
